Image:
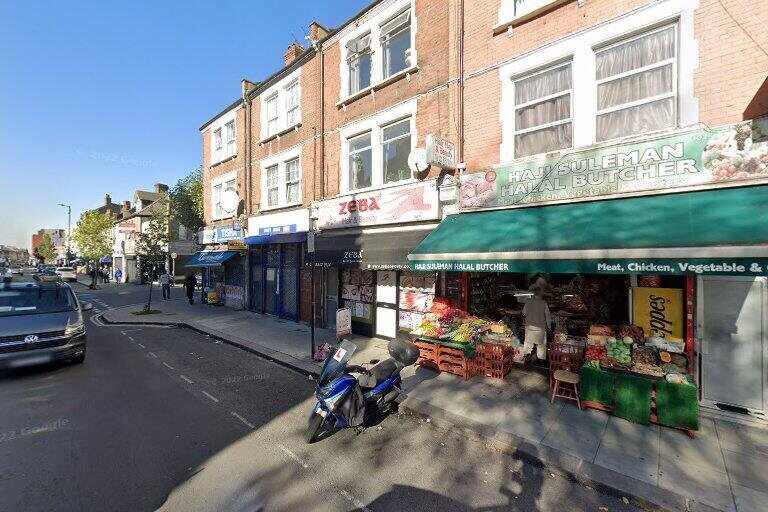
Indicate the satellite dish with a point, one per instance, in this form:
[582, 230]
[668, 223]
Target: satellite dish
[417, 161]
[229, 200]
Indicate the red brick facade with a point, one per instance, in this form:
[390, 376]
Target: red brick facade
[729, 82]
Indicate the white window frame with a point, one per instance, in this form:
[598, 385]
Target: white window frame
[292, 88]
[580, 49]
[384, 74]
[280, 160]
[279, 92]
[373, 23]
[221, 148]
[351, 152]
[273, 119]
[296, 181]
[221, 182]
[655, 65]
[350, 61]
[510, 11]
[384, 142]
[375, 124]
[230, 132]
[541, 100]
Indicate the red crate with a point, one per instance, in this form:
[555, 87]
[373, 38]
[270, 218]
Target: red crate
[495, 352]
[448, 351]
[428, 363]
[461, 370]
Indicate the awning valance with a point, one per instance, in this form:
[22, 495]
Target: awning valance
[209, 258]
[373, 251]
[722, 231]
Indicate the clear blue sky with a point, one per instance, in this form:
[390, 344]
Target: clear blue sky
[104, 97]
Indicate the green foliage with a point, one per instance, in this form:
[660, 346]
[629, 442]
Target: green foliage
[46, 251]
[187, 200]
[93, 234]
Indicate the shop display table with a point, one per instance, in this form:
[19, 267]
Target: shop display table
[641, 398]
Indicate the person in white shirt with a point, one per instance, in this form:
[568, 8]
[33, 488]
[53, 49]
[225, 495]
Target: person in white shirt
[165, 282]
[537, 321]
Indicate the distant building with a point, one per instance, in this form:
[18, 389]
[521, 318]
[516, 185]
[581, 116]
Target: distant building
[58, 239]
[13, 256]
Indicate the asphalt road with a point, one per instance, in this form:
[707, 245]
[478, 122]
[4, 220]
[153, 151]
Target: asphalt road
[167, 418]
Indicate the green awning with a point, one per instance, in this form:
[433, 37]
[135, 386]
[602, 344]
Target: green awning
[722, 231]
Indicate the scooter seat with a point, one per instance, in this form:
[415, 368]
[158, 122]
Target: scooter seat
[384, 370]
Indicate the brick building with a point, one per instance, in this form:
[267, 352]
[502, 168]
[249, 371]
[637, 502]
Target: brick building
[518, 94]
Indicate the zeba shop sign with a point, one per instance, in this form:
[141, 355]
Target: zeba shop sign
[408, 203]
[694, 159]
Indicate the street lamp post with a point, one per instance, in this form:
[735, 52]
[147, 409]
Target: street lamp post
[69, 231]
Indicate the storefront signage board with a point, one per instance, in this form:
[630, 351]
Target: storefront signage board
[709, 266]
[682, 160]
[408, 203]
[221, 235]
[659, 311]
[293, 221]
[441, 152]
[343, 322]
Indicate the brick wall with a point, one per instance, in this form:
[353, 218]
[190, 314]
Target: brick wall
[732, 79]
[211, 171]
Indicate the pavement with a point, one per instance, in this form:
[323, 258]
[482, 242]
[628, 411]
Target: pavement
[722, 469]
[168, 418]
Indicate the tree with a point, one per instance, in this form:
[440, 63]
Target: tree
[94, 237]
[152, 241]
[187, 201]
[45, 251]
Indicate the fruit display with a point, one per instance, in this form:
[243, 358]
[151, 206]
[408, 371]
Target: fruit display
[648, 369]
[595, 353]
[632, 331]
[646, 355]
[450, 324]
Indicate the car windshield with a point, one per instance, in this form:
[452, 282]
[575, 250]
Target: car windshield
[35, 300]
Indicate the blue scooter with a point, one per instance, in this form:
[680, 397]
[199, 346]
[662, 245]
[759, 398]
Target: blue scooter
[343, 400]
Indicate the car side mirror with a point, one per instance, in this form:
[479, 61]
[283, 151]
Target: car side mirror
[374, 361]
[87, 306]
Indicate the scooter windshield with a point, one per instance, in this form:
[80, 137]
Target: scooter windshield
[336, 363]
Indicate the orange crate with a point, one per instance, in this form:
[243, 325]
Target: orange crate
[494, 351]
[460, 370]
[448, 351]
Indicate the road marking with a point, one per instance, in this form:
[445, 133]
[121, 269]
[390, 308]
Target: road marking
[210, 396]
[293, 456]
[168, 366]
[247, 423]
[142, 345]
[153, 354]
[186, 379]
[131, 338]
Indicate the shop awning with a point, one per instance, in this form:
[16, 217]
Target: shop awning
[722, 231]
[209, 258]
[279, 238]
[373, 251]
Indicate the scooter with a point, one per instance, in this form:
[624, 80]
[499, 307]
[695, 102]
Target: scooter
[345, 400]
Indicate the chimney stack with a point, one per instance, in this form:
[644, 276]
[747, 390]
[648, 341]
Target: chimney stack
[317, 32]
[161, 188]
[247, 86]
[293, 52]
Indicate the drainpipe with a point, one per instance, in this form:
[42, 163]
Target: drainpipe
[461, 81]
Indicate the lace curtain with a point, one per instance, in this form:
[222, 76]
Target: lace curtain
[544, 112]
[638, 53]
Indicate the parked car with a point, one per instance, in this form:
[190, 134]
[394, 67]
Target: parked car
[66, 273]
[46, 269]
[41, 321]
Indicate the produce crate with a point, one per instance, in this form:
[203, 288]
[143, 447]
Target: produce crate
[495, 352]
[450, 365]
[428, 363]
[427, 350]
[633, 398]
[497, 369]
[677, 405]
[442, 350]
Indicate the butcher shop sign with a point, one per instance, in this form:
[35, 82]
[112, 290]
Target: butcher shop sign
[680, 160]
[407, 203]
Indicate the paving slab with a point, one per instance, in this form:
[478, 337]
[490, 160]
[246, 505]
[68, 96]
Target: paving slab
[530, 416]
[703, 451]
[737, 437]
[748, 470]
[750, 500]
[703, 484]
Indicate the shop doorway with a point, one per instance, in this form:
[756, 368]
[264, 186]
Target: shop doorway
[386, 303]
[732, 333]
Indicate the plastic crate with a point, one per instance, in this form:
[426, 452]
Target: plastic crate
[461, 370]
[494, 351]
[449, 351]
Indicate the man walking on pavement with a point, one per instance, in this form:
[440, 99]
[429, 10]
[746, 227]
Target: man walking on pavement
[189, 283]
[165, 283]
[537, 321]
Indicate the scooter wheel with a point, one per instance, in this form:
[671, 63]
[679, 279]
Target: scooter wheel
[314, 426]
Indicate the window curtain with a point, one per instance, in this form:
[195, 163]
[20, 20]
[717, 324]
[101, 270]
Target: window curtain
[542, 141]
[543, 84]
[644, 51]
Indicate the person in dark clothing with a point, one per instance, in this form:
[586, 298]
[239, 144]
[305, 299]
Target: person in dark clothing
[189, 283]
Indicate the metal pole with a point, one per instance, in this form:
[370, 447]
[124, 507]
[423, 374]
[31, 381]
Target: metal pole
[69, 231]
[312, 309]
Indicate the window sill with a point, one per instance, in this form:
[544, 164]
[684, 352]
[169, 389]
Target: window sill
[368, 190]
[279, 134]
[375, 87]
[227, 159]
[505, 25]
[280, 207]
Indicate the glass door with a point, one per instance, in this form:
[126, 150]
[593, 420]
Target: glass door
[331, 296]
